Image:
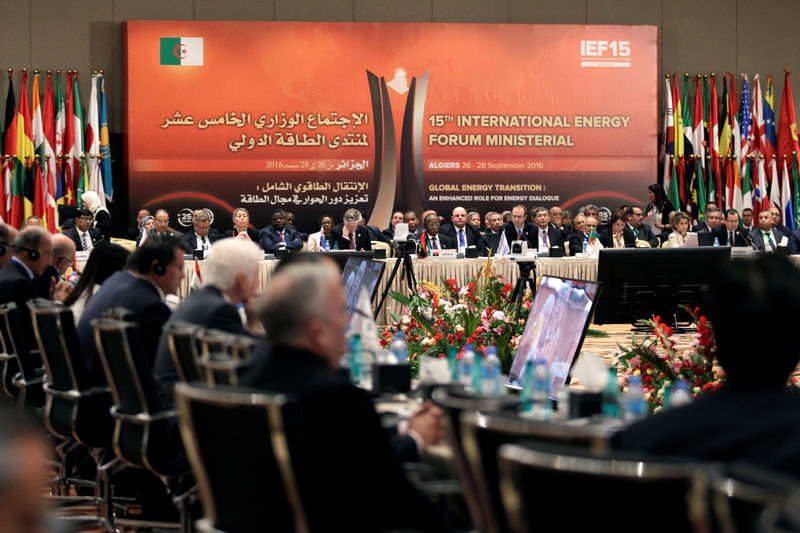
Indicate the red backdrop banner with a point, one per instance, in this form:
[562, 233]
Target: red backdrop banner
[319, 117]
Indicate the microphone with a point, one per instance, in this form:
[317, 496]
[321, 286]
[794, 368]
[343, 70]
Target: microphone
[747, 239]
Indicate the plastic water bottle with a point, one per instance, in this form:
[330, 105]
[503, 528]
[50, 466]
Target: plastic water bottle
[585, 246]
[491, 373]
[452, 360]
[465, 367]
[716, 241]
[324, 243]
[633, 404]
[356, 360]
[611, 395]
[399, 348]
[680, 395]
[527, 386]
[541, 409]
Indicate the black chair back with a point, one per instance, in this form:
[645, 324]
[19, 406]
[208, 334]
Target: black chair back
[482, 434]
[244, 482]
[29, 361]
[184, 349]
[214, 341]
[550, 487]
[8, 360]
[242, 346]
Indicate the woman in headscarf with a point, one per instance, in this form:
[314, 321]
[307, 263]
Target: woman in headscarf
[102, 218]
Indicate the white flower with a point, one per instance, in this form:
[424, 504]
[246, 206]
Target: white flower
[498, 315]
[463, 291]
[427, 314]
[406, 320]
[459, 329]
[427, 341]
[454, 308]
[696, 390]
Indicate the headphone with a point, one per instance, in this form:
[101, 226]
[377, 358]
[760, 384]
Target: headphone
[33, 255]
[3, 248]
[159, 269]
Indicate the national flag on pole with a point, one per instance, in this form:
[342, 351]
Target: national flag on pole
[9, 148]
[736, 201]
[758, 150]
[725, 130]
[78, 153]
[747, 185]
[503, 249]
[796, 193]
[50, 165]
[422, 253]
[787, 127]
[95, 180]
[668, 146]
[771, 145]
[197, 278]
[699, 144]
[787, 208]
[23, 177]
[689, 191]
[70, 165]
[105, 147]
[714, 179]
[736, 131]
[60, 145]
[182, 51]
[39, 146]
[761, 200]
[745, 121]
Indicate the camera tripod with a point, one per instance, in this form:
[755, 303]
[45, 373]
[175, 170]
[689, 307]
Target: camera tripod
[524, 281]
[404, 259]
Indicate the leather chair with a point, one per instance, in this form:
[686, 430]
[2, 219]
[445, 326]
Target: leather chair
[30, 378]
[245, 484]
[552, 487]
[9, 367]
[222, 355]
[183, 348]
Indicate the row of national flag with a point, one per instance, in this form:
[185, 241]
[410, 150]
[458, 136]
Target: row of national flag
[736, 155]
[51, 154]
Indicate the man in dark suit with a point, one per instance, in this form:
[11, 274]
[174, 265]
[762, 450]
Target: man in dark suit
[230, 277]
[278, 236]
[777, 222]
[433, 240]
[133, 233]
[464, 235]
[637, 229]
[766, 238]
[7, 236]
[753, 417]
[731, 233]
[350, 234]
[162, 229]
[197, 238]
[83, 234]
[495, 230]
[713, 219]
[794, 242]
[341, 451]
[545, 236]
[375, 233]
[519, 229]
[577, 238]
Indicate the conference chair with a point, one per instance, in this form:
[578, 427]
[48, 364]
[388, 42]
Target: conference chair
[386, 247]
[482, 434]
[145, 435]
[245, 484]
[222, 354]
[30, 378]
[184, 349]
[554, 487]
[454, 400]
[8, 365]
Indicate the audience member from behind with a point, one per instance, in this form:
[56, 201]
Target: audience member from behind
[753, 417]
[102, 218]
[24, 471]
[19, 280]
[230, 278]
[241, 227]
[106, 259]
[347, 475]
[7, 236]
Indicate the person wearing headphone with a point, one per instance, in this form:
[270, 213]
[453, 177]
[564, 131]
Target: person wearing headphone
[32, 254]
[7, 236]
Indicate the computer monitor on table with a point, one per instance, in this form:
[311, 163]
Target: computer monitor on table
[359, 273]
[640, 283]
[555, 329]
[341, 256]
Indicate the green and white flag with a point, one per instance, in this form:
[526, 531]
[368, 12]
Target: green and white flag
[182, 51]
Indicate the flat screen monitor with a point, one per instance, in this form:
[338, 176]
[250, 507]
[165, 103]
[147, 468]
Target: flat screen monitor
[359, 273]
[643, 283]
[341, 256]
[555, 329]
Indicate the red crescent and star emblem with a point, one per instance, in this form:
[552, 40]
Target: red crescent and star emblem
[179, 51]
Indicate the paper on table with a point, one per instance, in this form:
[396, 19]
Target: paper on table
[651, 221]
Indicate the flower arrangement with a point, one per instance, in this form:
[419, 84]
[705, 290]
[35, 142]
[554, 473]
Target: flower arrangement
[660, 364]
[437, 319]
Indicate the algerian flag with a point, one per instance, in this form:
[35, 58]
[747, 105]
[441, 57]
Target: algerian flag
[182, 51]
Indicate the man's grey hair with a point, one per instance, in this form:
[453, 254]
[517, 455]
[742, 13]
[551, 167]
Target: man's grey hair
[537, 210]
[227, 259]
[30, 237]
[298, 295]
[710, 210]
[201, 216]
[591, 206]
[352, 215]
[62, 246]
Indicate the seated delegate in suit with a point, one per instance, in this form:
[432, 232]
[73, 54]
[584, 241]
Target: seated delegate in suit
[464, 235]
[289, 216]
[197, 237]
[161, 228]
[616, 236]
[777, 222]
[495, 230]
[576, 239]
[83, 234]
[546, 236]
[347, 475]
[397, 217]
[350, 234]
[375, 233]
[713, 219]
[519, 229]
[278, 236]
[7, 236]
[766, 238]
[134, 233]
[230, 277]
[636, 227]
[680, 227]
[241, 226]
[731, 233]
[794, 242]
[431, 239]
[315, 239]
[148, 223]
[753, 417]
[102, 218]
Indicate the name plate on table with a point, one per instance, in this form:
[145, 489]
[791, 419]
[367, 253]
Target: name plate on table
[82, 256]
[443, 254]
[742, 251]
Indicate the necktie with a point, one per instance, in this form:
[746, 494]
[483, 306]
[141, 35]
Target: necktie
[283, 239]
[769, 241]
[617, 241]
[543, 237]
[519, 234]
[84, 241]
[635, 233]
[731, 239]
[435, 243]
[462, 240]
[352, 240]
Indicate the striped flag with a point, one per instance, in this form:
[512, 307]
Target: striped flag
[758, 149]
[78, 152]
[95, 180]
[747, 184]
[714, 179]
[22, 200]
[787, 127]
[745, 119]
[668, 144]
[787, 209]
[50, 164]
[771, 145]
[60, 133]
[105, 147]
[699, 144]
[70, 176]
[9, 148]
[39, 146]
[796, 194]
